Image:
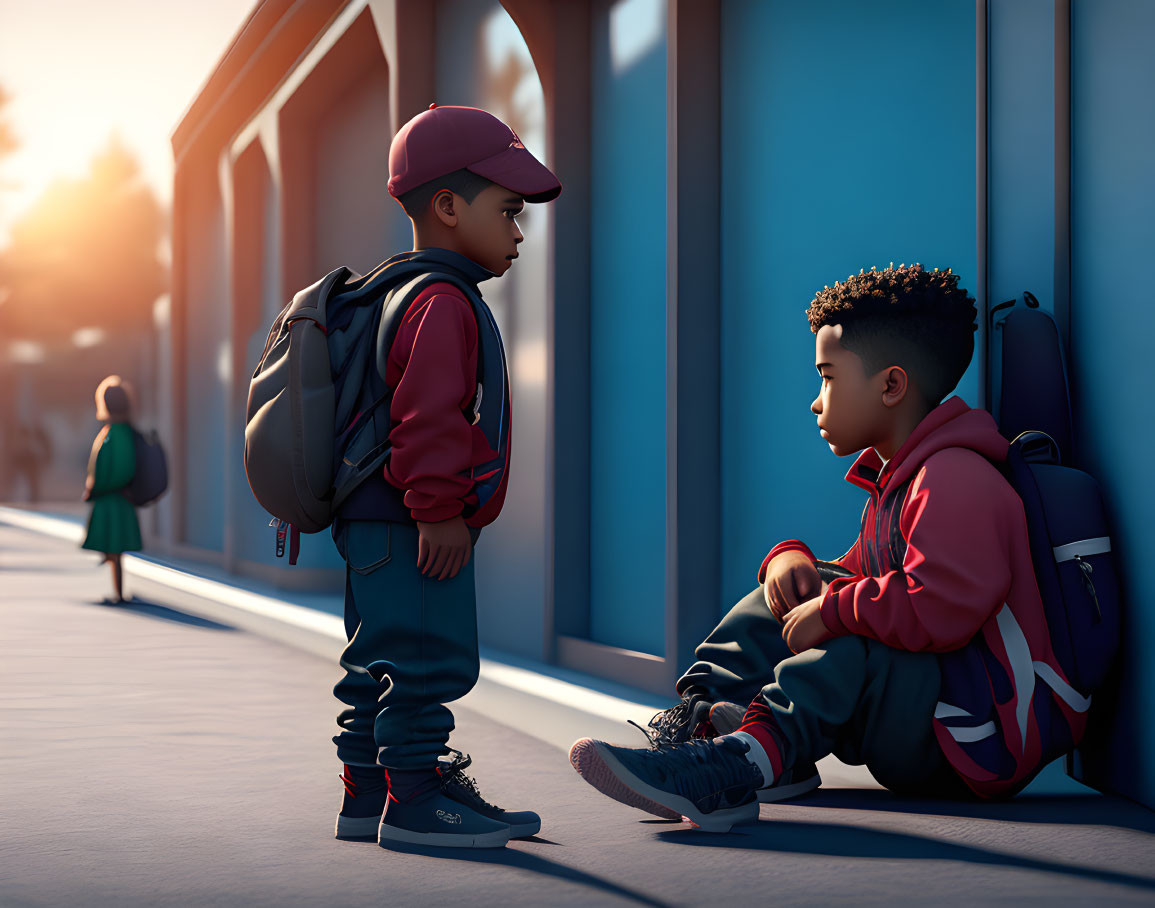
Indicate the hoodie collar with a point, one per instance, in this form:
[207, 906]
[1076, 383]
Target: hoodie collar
[446, 259]
[952, 424]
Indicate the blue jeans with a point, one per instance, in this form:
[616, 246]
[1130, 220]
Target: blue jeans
[412, 648]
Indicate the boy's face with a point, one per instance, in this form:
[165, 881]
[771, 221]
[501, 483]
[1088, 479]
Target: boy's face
[850, 410]
[487, 230]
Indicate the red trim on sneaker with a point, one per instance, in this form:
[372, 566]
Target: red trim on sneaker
[705, 729]
[760, 724]
[347, 778]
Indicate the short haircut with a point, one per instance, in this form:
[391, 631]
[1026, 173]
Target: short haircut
[905, 316]
[465, 183]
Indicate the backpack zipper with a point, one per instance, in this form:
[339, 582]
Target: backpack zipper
[1087, 570]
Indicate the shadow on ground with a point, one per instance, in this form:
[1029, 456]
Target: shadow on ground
[1090, 809]
[164, 613]
[842, 841]
[524, 860]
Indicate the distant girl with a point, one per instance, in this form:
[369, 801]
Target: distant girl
[112, 526]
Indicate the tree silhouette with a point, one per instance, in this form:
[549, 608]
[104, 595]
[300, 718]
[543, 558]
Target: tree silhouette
[87, 255]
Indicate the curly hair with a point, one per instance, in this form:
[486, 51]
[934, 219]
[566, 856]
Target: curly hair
[920, 320]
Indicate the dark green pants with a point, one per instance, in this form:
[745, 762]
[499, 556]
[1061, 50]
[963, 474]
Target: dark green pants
[863, 701]
[412, 649]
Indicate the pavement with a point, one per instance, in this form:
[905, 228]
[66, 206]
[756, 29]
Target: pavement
[176, 751]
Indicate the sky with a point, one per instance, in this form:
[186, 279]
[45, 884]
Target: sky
[81, 71]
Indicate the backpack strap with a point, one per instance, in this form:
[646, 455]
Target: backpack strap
[367, 456]
[896, 545]
[310, 303]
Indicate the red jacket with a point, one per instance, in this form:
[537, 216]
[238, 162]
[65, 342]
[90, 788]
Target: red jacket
[432, 367]
[966, 589]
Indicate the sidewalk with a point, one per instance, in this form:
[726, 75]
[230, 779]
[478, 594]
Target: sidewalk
[560, 705]
[156, 755]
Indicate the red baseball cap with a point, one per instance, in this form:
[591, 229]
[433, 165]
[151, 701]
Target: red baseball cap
[441, 140]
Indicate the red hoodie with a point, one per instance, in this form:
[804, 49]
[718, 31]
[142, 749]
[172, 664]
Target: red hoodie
[965, 589]
[432, 368]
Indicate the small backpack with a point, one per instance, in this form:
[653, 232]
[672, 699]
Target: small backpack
[150, 480]
[317, 420]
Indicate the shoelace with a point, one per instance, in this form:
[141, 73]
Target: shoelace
[454, 773]
[702, 769]
[667, 724]
[350, 785]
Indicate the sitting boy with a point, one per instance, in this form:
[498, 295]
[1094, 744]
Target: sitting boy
[937, 609]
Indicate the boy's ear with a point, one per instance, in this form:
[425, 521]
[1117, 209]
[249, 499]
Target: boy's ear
[445, 208]
[896, 387]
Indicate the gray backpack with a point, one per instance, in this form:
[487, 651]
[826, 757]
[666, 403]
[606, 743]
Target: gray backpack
[290, 412]
[317, 421]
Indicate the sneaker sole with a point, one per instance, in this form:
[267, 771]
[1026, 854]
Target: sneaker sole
[774, 793]
[525, 830]
[357, 828]
[716, 821]
[585, 758]
[389, 835]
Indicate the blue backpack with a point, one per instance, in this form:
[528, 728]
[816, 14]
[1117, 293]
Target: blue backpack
[1067, 521]
[150, 480]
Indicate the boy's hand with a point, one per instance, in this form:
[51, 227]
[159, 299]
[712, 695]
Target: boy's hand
[443, 548]
[791, 579]
[804, 628]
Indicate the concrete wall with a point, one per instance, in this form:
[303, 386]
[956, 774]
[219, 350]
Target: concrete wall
[206, 339]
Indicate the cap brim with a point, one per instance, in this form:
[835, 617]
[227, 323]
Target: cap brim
[518, 170]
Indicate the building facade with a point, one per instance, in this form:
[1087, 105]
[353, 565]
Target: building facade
[721, 160]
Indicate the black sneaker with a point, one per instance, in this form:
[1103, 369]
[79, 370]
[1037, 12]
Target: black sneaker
[457, 785]
[363, 802]
[689, 718]
[725, 717]
[712, 783]
[433, 819]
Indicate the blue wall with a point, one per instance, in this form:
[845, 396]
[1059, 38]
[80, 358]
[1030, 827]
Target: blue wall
[1021, 143]
[628, 326]
[848, 140]
[1113, 322]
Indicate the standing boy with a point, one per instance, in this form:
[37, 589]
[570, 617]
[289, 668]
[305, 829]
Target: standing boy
[921, 662]
[407, 535]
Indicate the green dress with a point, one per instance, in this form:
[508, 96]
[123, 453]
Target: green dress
[112, 525]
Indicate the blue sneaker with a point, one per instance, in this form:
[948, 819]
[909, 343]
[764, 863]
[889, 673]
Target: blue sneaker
[463, 789]
[725, 717]
[363, 802]
[795, 781]
[711, 783]
[434, 819]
